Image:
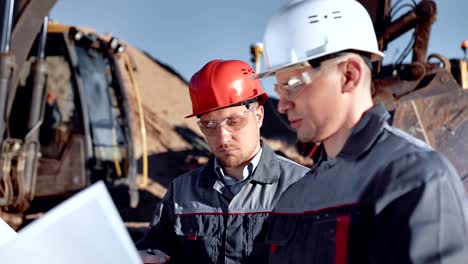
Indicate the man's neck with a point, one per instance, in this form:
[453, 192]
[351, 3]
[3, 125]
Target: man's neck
[335, 143]
[235, 172]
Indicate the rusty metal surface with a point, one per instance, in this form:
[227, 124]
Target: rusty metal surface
[426, 11]
[429, 104]
[67, 174]
[442, 122]
[414, 81]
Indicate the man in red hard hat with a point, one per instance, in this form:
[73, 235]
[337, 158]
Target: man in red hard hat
[215, 214]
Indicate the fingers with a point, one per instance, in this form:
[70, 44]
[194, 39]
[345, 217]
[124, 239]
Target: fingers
[153, 256]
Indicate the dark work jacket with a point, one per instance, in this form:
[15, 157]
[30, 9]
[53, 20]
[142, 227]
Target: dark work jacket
[386, 198]
[201, 221]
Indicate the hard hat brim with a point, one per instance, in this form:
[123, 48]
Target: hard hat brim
[375, 56]
[271, 72]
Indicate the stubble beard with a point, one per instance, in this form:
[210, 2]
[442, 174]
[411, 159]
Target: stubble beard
[231, 160]
[234, 159]
[306, 137]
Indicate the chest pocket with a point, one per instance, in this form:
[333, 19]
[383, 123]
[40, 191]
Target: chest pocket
[198, 237]
[335, 236]
[280, 235]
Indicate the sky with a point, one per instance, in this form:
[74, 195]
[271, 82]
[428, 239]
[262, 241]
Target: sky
[187, 34]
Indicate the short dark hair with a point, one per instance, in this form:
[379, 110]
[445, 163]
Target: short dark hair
[315, 63]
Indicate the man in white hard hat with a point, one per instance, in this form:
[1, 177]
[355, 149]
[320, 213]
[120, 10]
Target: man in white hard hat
[216, 213]
[376, 195]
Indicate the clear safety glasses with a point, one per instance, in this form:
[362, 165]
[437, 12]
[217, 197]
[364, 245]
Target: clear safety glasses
[291, 87]
[231, 123]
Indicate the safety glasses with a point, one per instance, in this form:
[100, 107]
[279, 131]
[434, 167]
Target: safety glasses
[292, 86]
[231, 123]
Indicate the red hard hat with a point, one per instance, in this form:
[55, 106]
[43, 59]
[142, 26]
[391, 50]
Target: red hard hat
[223, 83]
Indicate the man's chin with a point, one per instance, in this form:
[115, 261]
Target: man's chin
[307, 139]
[228, 161]
[303, 138]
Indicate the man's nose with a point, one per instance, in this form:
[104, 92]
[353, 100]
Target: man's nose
[284, 104]
[223, 135]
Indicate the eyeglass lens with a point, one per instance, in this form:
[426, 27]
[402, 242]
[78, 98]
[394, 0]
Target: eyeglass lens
[232, 123]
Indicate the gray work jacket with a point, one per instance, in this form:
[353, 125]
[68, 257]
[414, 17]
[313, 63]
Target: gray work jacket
[386, 198]
[201, 221]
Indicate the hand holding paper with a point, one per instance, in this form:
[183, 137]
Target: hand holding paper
[153, 256]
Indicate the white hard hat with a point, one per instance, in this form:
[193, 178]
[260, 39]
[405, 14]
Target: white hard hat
[309, 29]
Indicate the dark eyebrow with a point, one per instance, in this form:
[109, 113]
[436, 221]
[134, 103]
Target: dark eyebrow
[222, 119]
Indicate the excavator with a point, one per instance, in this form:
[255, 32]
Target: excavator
[66, 121]
[65, 115]
[427, 97]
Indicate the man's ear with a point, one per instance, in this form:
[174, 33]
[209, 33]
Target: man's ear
[353, 73]
[259, 114]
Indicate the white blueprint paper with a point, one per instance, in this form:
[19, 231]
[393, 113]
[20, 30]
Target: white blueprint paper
[6, 232]
[84, 229]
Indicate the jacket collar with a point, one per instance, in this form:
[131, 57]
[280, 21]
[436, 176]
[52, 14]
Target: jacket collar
[267, 170]
[365, 133]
